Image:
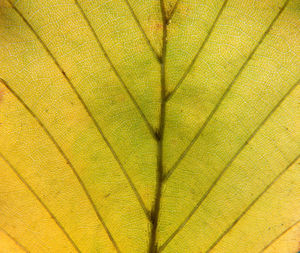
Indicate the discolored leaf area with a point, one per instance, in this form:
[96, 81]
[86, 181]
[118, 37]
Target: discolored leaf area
[149, 126]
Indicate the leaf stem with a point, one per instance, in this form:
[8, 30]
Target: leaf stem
[153, 247]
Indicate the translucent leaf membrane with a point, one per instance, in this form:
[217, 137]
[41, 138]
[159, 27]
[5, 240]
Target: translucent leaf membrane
[53, 101]
[26, 225]
[30, 153]
[90, 163]
[9, 244]
[148, 18]
[72, 44]
[270, 150]
[268, 226]
[230, 46]
[286, 241]
[171, 7]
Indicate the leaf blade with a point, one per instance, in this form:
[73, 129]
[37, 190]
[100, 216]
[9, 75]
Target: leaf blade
[98, 100]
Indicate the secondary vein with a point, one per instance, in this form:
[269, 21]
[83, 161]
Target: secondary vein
[228, 89]
[156, 55]
[139, 198]
[21, 246]
[100, 218]
[171, 94]
[173, 11]
[250, 206]
[281, 234]
[149, 126]
[212, 186]
[42, 203]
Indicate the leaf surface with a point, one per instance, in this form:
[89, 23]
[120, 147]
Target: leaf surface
[149, 126]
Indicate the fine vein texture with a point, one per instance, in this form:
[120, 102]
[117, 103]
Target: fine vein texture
[149, 126]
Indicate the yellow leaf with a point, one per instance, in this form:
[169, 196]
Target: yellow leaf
[149, 126]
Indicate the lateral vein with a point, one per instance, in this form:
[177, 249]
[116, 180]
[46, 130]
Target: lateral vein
[281, 234]
[250, 205]
[67, 161]
[156, 55]
[87, 110]
[42, 203]
[228, 89]
[149, 126]
[14, 239]
[203, 198]
[171, 94]
[173, 11]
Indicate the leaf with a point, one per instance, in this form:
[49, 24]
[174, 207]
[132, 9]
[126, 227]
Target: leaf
[149, 126]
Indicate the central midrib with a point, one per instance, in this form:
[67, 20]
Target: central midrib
[153, 247]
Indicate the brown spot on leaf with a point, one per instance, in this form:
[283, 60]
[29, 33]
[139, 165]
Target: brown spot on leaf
[156, 27]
